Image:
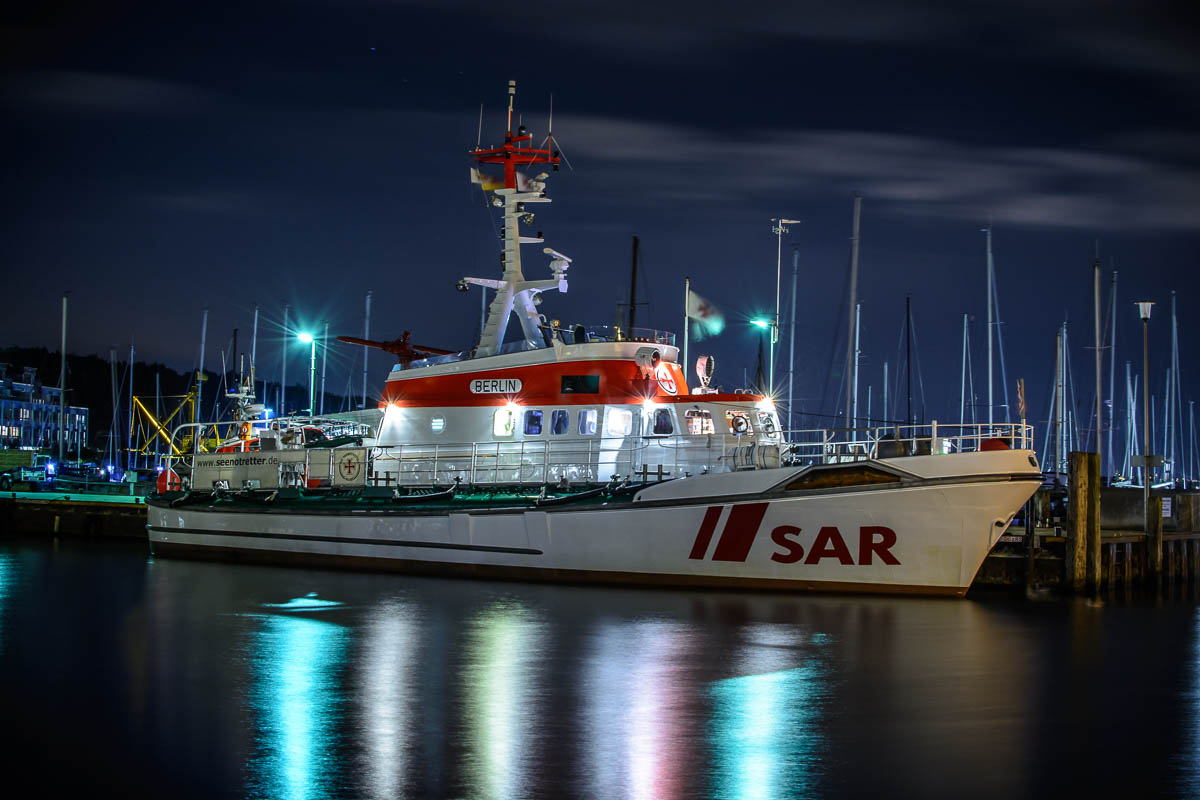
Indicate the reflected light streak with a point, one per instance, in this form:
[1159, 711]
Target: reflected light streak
[764, 729]
[636, 724]
[501, 681]
[298, 698]
[389, 683]
[1189, 766]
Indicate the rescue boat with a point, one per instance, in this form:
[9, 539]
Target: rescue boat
[580, 453]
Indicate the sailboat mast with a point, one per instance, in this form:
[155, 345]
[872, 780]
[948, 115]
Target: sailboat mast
[324, 361]
[200, 380]
[1099, 353]
[908, 354]
[962, 392]
[988, 231]
[854, 401]
[792, 332]
[851, 334]
[1112, 369]
[367, 316]
[283, 374]
[129, 433]
[62, 382]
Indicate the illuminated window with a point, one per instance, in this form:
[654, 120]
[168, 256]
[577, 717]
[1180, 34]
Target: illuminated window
[767, 423]
[699, 422]
[533, 422]
[663, 426]
[620, 422]
[560, 421]
[587, 422]
[739, 422]
[504, 422]
[437, 424]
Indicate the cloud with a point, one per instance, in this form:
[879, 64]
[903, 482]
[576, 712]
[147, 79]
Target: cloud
[1041, 187]
[105, 92]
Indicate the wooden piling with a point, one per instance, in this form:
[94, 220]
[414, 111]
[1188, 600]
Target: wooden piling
[1154, 540]
[1075, 562]
[1092, 494]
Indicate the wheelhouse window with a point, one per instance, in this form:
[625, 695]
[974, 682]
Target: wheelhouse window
[580, 384]
[560, 421]
[766, 423]
[533, 422]
[663, 424]
[504, 422]
[620, 422]
[587, 422]
[739, 422]
[699, 422]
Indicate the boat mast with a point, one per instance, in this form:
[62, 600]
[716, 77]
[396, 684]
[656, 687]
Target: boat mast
[324, 360]
[852, 332]
[687, 298]
[1112, 369]
[633, 287]
[885, 391]
[988, 231]
[1099, 352]
[792, 332]
[129, 433]
[908, 354]
[857, 318]
[513, 291]
[1060, 394]
[962, 392]
[366, 349]
[200, 381]
[62, 382]
[112, 426]
[283, 376]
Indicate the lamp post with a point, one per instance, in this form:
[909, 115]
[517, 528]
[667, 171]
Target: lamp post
[779, 229]
[308, 339]
[1144, 313]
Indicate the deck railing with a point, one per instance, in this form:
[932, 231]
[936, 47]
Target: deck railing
[575, 461]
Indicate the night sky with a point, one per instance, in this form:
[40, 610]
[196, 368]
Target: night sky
[165, 156]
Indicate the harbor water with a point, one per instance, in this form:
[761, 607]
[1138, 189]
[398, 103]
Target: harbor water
[143, 676]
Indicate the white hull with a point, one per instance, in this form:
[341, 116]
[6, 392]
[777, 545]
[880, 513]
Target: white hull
[738, 529]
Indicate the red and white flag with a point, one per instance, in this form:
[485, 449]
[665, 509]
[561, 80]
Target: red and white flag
[707, 319]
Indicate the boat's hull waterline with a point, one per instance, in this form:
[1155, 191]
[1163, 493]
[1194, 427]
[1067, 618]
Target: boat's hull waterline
[927, 533]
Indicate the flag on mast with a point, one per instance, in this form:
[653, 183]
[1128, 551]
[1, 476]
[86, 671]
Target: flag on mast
[706, 319]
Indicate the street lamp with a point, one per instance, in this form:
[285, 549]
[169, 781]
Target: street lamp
[779, 229]
[308, 339]
[1144, 312]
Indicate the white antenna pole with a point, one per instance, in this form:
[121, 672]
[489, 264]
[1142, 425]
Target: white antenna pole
[1060, 423]
[852, 344]
[367, 318]
[885, 388]
[324, 360]
[479, 134]
[988, 230]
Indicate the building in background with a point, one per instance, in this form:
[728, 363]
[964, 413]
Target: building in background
[29, 414]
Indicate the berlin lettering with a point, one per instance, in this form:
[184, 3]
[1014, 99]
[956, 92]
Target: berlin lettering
[495, 386]
[875, 542]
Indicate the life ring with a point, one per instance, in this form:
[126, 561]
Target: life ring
[245, 430]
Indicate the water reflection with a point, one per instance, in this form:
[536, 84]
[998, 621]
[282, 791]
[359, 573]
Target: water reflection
[499, 686]
[637, 719]
[388, 713]
[9, 579]
[296, 664]
[765, 733]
